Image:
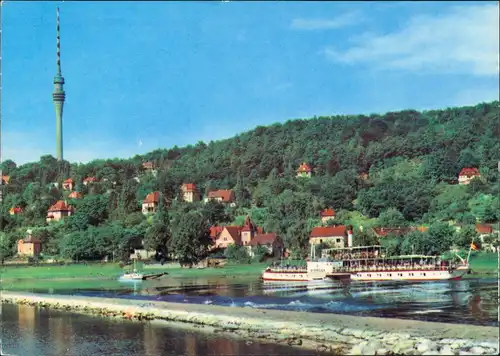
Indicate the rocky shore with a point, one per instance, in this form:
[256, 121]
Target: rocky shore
[338, 334]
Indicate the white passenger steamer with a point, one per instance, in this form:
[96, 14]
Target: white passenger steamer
[367, 263]
[322, 269]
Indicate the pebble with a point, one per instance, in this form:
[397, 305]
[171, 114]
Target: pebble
[476, 350]
[425, 346]
[446, 350]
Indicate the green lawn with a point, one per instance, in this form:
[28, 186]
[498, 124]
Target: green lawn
[484, 262]
[113, 270]
[58, 271]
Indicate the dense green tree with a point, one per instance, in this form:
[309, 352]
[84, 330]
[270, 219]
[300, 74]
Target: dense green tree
[190, 237]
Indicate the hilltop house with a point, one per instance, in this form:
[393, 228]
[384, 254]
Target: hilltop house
[330, 235]
[151, 202]
[89, 180]
[15, 210]
[29, 246]
[190, 192]
[327, 214]
[304, 171]
[68, 184]
[59, 211]
[466, 175]
[222, 196]
[75, 195]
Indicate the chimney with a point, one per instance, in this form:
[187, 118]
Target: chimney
[349, 238]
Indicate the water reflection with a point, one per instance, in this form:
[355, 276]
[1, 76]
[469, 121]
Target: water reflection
[434, 301]
[31, 331]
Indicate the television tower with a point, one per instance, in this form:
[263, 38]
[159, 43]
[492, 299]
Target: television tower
[58, 96]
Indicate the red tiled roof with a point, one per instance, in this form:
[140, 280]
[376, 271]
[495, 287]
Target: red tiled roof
[189, 187]
[6, 179]
[15, 210]
[90, 179]
[60, 206]
[304, 167]
[153, 197]
[69, 180]
[234, 232]
[249, 225]
[263, 239]
[148, 165]
[398, 231]
[327, 231]
[327, 212]
[484, 228]
[469, 172]
[225, 195]
[75, 195]
[215, 231]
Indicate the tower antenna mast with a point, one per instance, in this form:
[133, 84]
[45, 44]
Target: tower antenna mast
[58, 96]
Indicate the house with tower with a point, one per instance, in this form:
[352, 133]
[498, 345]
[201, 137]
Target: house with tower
[249, 235]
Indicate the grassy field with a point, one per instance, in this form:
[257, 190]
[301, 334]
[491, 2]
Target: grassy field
[481, 263]
[484, 262]
[113, 270]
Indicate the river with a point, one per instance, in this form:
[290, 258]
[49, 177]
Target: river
[470, 300]
[31, 331]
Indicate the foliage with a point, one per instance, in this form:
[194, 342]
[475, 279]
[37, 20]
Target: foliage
[412, 160]
[236, 253]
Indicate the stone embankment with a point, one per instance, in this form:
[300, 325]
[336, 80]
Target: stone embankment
[328, 333]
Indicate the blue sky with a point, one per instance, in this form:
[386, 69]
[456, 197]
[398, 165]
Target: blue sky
[166, 73]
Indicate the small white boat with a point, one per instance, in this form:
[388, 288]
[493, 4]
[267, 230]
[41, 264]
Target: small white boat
[132, 276]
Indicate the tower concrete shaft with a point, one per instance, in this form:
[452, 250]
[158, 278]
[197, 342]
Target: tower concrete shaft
[58, 96]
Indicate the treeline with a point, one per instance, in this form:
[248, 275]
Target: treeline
[412, 160]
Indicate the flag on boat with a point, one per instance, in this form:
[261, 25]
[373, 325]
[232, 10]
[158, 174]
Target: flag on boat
[472, 246]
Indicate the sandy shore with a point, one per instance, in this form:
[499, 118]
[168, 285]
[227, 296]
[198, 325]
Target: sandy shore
[340, 334]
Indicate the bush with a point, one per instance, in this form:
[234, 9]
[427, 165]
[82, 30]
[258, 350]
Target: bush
[236, 253]
[259, 253]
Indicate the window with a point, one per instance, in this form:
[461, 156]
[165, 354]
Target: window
[339, 240]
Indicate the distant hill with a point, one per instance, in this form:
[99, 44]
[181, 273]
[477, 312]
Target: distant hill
[405, 160]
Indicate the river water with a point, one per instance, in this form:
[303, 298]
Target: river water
[471, 300]
[31, 331]
[27, 329]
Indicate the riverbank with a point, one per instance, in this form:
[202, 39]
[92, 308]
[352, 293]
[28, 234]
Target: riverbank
[113, 270]
[323, 332]
[481, 263]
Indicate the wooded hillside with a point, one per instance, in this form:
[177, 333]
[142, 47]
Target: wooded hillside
[412, 160]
